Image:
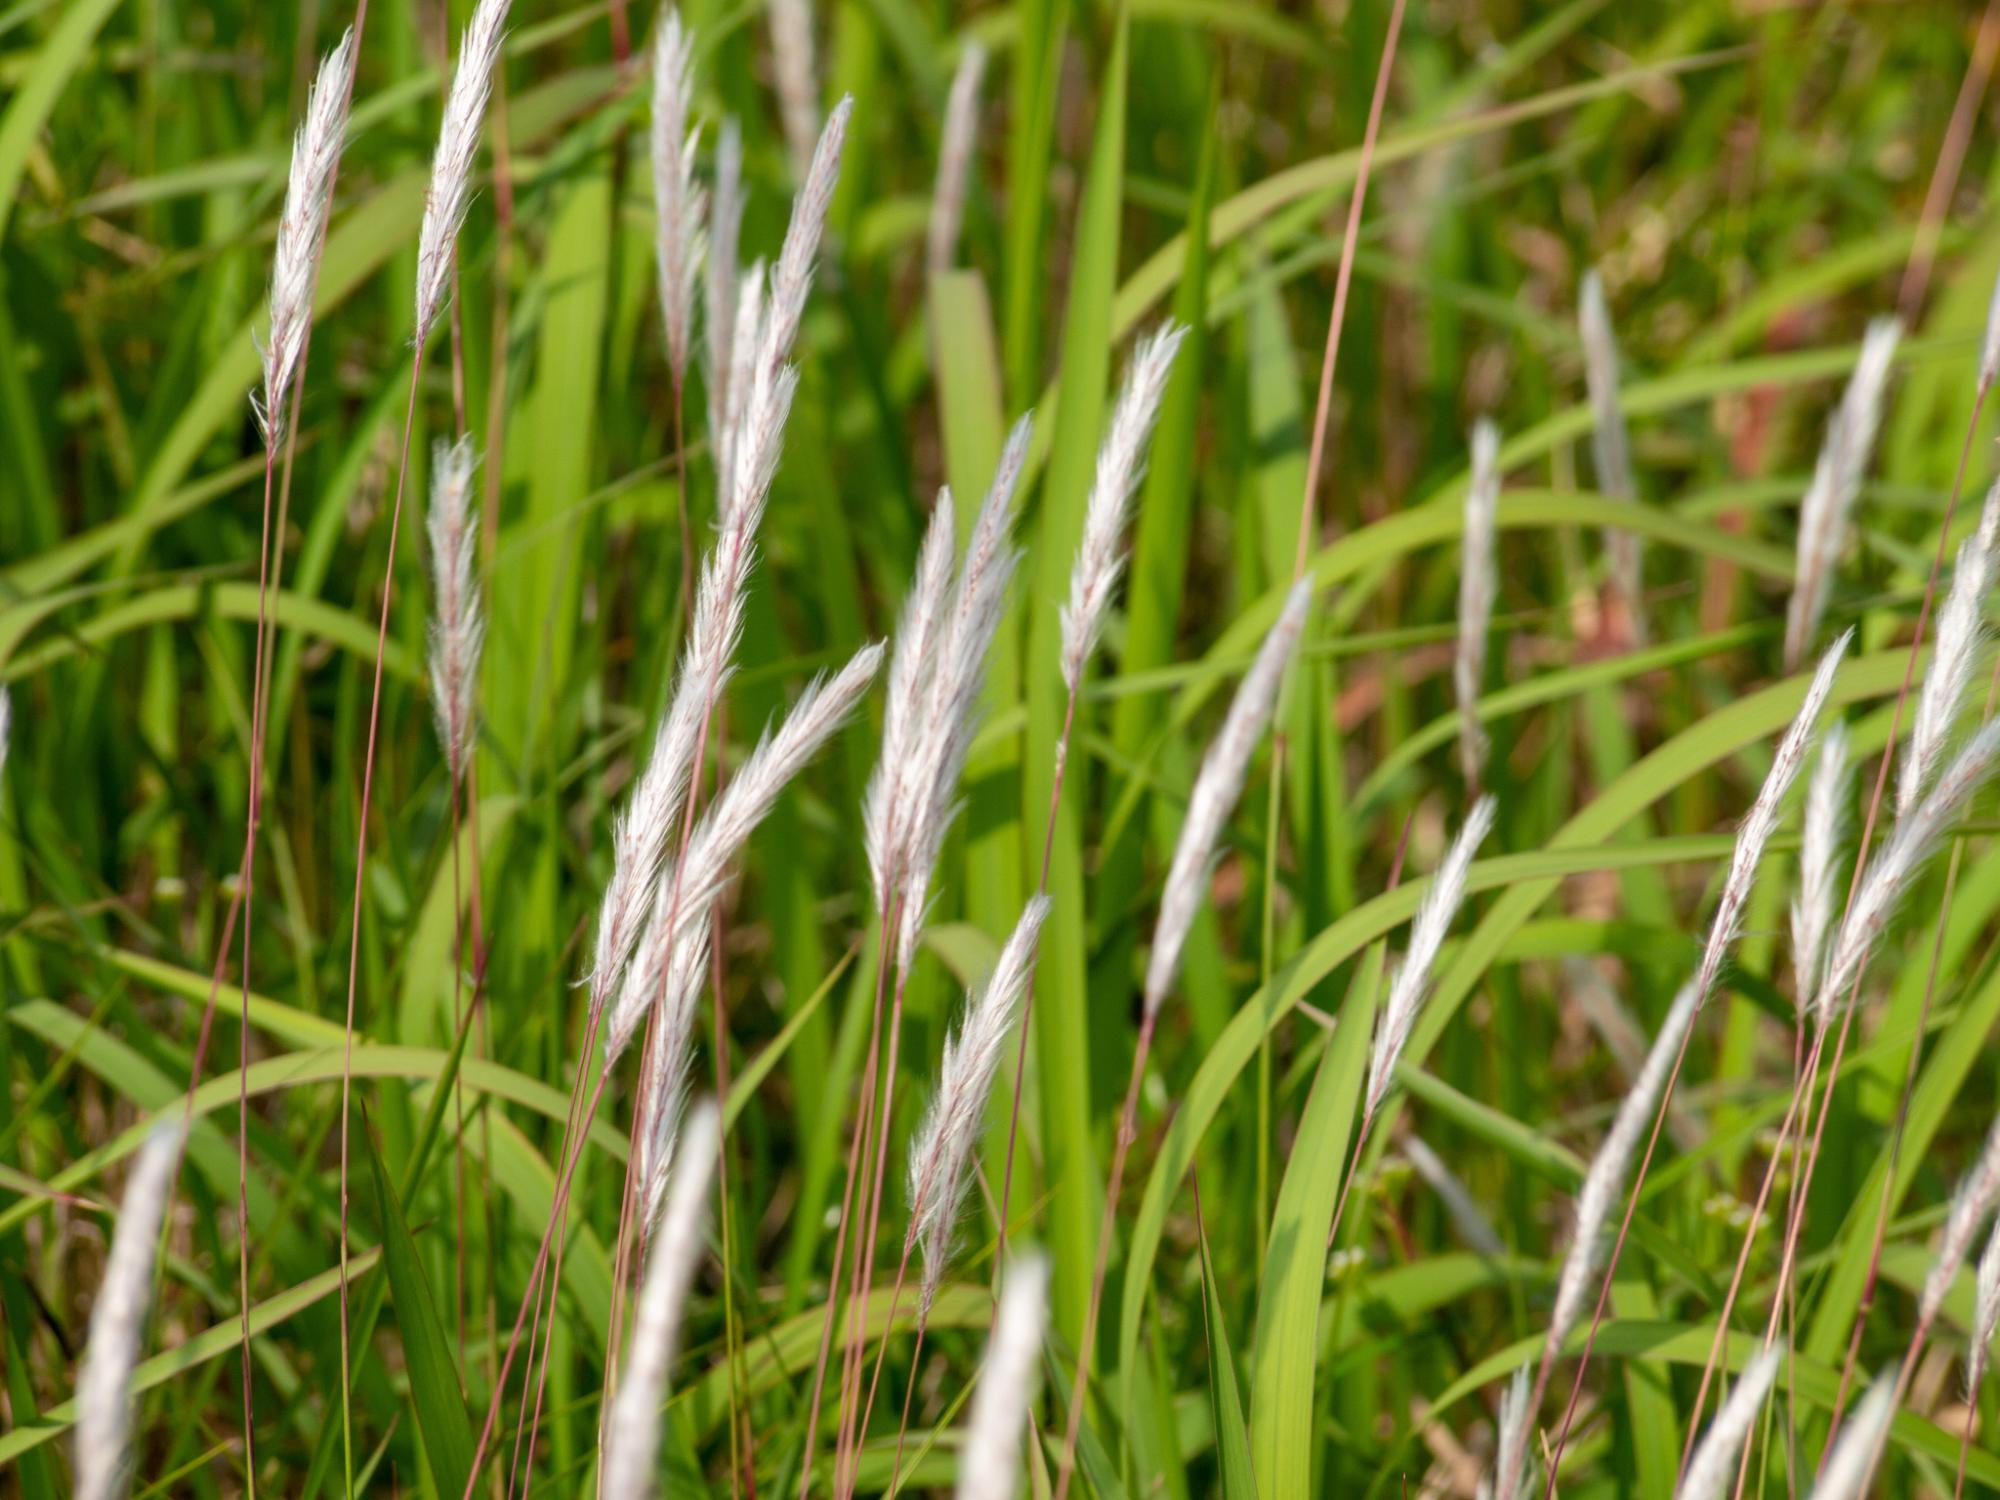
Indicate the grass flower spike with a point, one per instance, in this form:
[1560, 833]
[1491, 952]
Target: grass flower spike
[458, 626]
[1476, 592]
[302, 231]
[118, 1322]
[991, 1458]
[1713, 1468]
[1412, 981]
[955, 148]
[677, 198]
[451, 170]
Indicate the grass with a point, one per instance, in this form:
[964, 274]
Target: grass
[1751, 184]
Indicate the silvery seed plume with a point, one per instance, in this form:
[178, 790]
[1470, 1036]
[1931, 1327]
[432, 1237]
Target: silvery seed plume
[1972, 1203]
[727, 825]
[1910, 843]
[720, 277]
[651, 817]
[955, 143]
[1217, 785]
[1985, 1316]
[1855, 1452]
[1476, 591]
[1836, 480]
[910, 667]
[943, 1145]
[1819, 860]
[118, 1322]
[6, 725]
[798, 88]
[1467, 1217]
[663, 1081]
[458, 628]
[746, 326]
[951, 711]
[451, 169]
[1608, 440]
[1712, 1470]
[632, 1435]
[1604, 1181]
[1100, 555]
[760, 397]
[302, 232]
[989, 1464]
[1413, 979]
[1513, 1459]
[1762, 820]
[677, 198]
[1989, 346]
[1943, 691]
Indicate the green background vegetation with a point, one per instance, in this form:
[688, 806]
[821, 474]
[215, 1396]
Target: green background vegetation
[1749, 179]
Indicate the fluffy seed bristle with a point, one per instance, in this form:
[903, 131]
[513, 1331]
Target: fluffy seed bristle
[1847, 1472]
[721, 282]
[1216, 787]
[1100, 555]
[1985, 1315]
[632, 1431]
[1609, 443]
[458, 626]
[1476, 592]
[1713, 1468]
[118, 1322]
[677, 198]
[955, 144]
[1943, 691]
[990, 1461]
[942, 1148]
[1433, 921]
[1819, 859]
[1836, 480]
[451, 169]
[797, 85]
[1972, 1203]
[302, 231]
[1888, 876]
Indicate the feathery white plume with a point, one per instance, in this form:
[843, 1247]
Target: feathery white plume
[1985, 1316]
[1713, 1467]
[1943, 691]
[118, 1321]
[451, 170]
[1989, 346]
[1216, 787]
[1100, 555]
[990, 1462]
[731, 395]
[721, 283]
[1433, 921]
[1819, 858]
[760, 395]
[1889, 874]
[639, 836]
[1513, 1459]
[1846, 1473]
[1762, 820]
[944, 1143]
[302, 231]
[458, 628]
[1608, 441]
[1836, 480]
[798, 88]
[1972, 1202]
[955, 143]
[927, 798]
[677, 198]
[1604, 1180]
[632, 1433]
[1476, 591]
[724, 829]
[1467, 1217]
[887, 798]
[6, 724]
